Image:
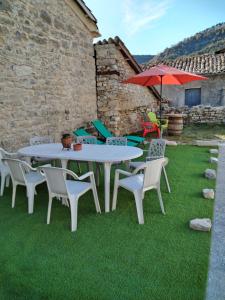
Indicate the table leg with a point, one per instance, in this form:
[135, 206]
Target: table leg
[127, 164]
[107, 169]
[64, 163]
[90, 166]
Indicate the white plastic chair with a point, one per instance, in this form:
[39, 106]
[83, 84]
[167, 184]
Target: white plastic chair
[138, 184]
[116, 141]
[156, 150]
[90, 139]
[4, 169]
[38, 140]
[23, 174]
[59, 186]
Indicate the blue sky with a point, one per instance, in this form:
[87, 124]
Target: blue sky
[149, 26]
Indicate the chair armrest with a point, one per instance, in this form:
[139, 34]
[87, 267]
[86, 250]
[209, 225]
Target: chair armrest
[88, 174]
[11, 155]
[82, 177]
[29, 168]
[45, 165]
[153, 157]
[141, 167]
[119, 171]
[71, 173]
[147, 123]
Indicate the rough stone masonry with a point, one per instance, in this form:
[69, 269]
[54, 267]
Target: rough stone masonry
[120, 105]
[47, 70]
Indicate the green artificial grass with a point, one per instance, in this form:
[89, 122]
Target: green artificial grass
[110, 256]
[195, 132]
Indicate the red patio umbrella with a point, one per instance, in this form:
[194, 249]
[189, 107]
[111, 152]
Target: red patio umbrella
[160, 75]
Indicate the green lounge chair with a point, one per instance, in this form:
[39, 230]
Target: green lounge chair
[100, 127]
[83, 132]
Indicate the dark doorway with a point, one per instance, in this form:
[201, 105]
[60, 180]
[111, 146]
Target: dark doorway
[192, 97]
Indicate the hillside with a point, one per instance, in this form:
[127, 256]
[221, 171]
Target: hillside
[207, 41]
[141, 59]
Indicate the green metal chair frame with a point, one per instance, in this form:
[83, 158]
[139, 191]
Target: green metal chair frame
[83, 132]
[101, 128]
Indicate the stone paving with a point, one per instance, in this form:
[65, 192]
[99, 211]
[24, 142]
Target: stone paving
[216, 275]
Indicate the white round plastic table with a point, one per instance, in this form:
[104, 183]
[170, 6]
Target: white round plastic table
[106, 154]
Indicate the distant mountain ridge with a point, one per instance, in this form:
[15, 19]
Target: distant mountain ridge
[141, 59]
[209, 40]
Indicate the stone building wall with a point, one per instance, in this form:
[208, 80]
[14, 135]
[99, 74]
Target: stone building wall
[47, 70]
[199, 114]
[212, 91]
[119, 105]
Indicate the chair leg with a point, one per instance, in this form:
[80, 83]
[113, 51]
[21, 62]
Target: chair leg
[2, 183]
[167, 181]
[144, 133]
[95, 195]
[79, 168]
[139, 207]
[158, 133]
[14, 195]
[49, 209]
[30, 192]
[98, 173]
[115, 194]
[7, 180]
[73, 210]
[160, 200]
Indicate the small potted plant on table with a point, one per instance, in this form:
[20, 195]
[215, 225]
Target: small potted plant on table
[66, 140]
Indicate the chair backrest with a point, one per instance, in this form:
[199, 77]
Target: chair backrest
[37, 140]
[56, 180]
[152, 117]
[17, 170]
[2, 154]
[152, 173]
[116, 141]
[100, 127]
[81, 132]
[156, 149]
[87, 139]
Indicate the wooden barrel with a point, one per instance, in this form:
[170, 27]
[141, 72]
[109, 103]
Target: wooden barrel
[175, 126]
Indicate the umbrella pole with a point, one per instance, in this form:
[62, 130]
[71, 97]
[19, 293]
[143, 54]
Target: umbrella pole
[160, 107]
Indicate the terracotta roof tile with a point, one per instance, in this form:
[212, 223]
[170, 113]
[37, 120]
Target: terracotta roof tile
[199, 64]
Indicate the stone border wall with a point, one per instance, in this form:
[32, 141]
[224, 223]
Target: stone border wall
[216, 275]
[199, 114]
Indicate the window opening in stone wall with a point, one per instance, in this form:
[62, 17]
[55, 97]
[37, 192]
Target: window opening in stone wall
[192, 97]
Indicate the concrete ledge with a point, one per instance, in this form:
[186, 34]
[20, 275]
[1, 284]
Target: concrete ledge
[208, 143]
[216, 275]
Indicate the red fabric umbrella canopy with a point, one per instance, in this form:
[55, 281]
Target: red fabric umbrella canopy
[163, 74]
[160, 75]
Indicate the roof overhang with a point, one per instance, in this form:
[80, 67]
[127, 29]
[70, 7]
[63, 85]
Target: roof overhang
[85, 15]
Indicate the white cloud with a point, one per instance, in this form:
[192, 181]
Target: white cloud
[142, 14]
